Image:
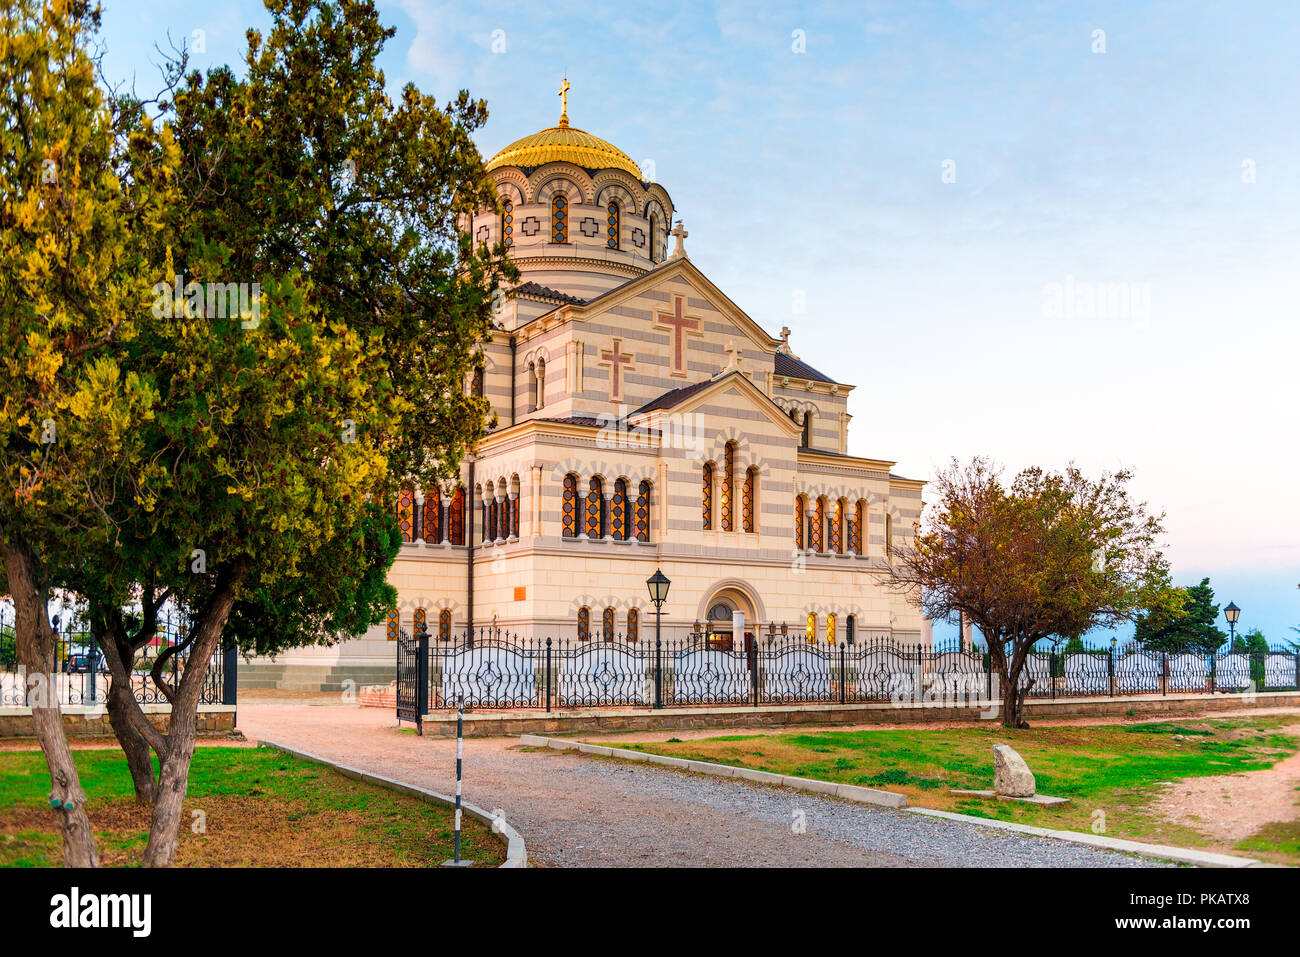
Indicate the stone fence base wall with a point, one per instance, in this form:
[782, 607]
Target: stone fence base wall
[78, 721]
[513, 723]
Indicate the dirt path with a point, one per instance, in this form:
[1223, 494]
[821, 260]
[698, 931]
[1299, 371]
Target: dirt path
[576, 811]
[1230, 807]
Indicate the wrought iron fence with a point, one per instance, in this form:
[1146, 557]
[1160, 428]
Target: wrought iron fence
[81, 677]
[494, 670]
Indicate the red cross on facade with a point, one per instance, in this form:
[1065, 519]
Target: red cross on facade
[680, 324]
[617, 360]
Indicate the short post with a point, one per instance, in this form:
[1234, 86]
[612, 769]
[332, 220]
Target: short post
[460, 745]
[1053, 662]
[1214, 663]
[1164, 674]
[548, 674]
[844, 698]
[421, 679]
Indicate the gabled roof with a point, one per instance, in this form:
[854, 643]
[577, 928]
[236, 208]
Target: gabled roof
[675, 397]
[689, 395]
[787, 365]
[535, 290]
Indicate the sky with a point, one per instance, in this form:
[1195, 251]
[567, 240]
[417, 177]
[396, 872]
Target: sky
[1040, 232]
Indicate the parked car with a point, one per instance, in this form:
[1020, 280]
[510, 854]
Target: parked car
[81, 665]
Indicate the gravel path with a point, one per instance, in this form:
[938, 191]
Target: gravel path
[578, 811]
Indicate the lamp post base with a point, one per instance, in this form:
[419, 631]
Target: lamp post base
[457, 863]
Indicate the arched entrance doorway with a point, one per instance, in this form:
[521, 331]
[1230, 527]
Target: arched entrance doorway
[720, 610]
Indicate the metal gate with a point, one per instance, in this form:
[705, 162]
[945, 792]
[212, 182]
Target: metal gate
[412, 679]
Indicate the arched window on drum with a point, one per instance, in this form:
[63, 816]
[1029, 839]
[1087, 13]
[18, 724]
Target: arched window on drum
[641, 517]
[569, 513]
[584, 623]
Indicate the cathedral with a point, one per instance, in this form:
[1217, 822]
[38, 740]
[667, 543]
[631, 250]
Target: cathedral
[644, 421]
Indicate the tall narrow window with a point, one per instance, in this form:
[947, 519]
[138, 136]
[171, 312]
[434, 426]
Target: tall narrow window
[611, 225]
[456, 516]
[406, 513]
[837, 527]
[889, 536]
[618, 511]
[433, 515]
[851, 628]
[595, 526]
[559, 220]
[569, 513]
[830, 628]
[747, 503]
[444, 625]
[394, 626]
[728, 480]
[855, 529]
[607, 624]
[476, 384]
[584, 623]
[800, 519]
[811, 628]
[421, 623]
[806, 439]
[706, 495]
[818, 543]
[633, 624]
[508, 223]
[654, 238]
[541, 383]
[642, 519]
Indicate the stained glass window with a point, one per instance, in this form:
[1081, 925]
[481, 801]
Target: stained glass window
[611, 226]
[812, 627]
[818, 526]
[643, 512]
[633, 624]
[514, 521]
[508, 223]
[595, 507]
[569, 515]
[747, 499]
[444, 625]
[406, 513]
[800, 513]
[837, 527]
[559, 220]
[456, 516]
[706, 495]
[433, 515]
[830, 628]
[421, 621]
[607, 623]
[728, 473]
[618, 511]
[393, 626]
[584, 623]
[855, 529]
[476, 386]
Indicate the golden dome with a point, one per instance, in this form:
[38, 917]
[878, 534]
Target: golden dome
[564, 144]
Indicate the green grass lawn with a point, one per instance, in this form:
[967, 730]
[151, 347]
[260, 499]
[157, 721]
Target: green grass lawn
[259, 808]
[1116, 770]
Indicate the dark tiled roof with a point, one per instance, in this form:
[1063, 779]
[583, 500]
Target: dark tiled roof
[589, 420]
[676, 396]
[537, 291]
[789, 365]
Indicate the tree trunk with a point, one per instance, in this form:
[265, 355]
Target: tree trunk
[173, 778]
[35, 644]
[138, 756]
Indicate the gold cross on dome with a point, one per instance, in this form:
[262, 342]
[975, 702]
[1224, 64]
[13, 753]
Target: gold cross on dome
[564, 101]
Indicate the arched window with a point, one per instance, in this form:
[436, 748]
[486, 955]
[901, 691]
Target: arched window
[747, 503]
[539, 385]
[851, 628]
[584, 623]
[641, 520]
[811, 628]
[806, 439]
[513, 505]
[830, 628]
[394, 626]
[728, 479]
[456, 516]
[569, 513]
[706, 495]
[559, 220]
[444, 625]
[889, 536]
[607, 623]
[855, 529]
[433, 515]
[654, 238]
[406, 513]
[611, 225]
[837, 527]
[489, 515]
[618, 511]
[476, 384]
[633, 624]
[508, 223]
[800, 519]
[595, 524]
[818, 543]
[421, 622]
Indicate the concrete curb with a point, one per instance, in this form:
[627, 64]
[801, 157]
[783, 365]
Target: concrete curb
[516, 852]
[848, 792]
[1183, 855]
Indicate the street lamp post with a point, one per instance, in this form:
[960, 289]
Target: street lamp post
[658, 584]
[1232, 613]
